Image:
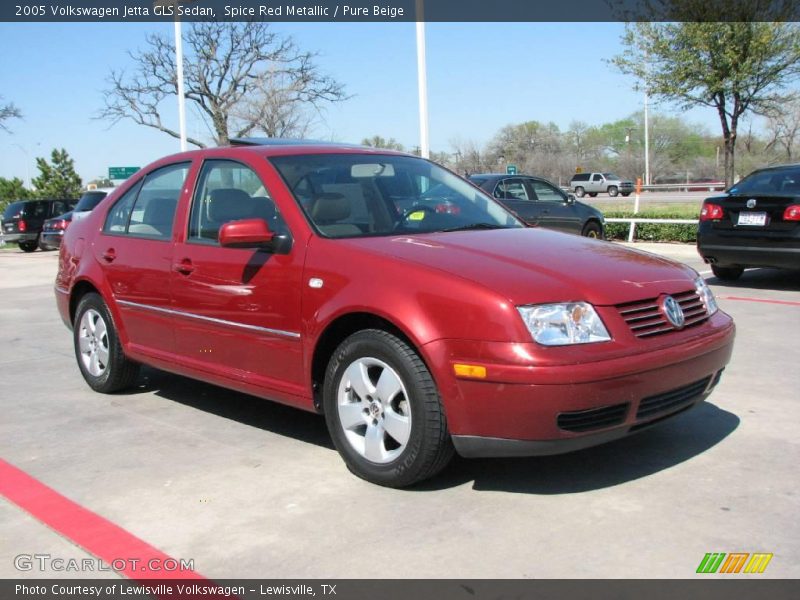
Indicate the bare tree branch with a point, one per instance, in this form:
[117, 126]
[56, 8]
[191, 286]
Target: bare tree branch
[7, 112]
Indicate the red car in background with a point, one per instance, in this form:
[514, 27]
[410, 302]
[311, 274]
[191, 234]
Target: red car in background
[383, 291]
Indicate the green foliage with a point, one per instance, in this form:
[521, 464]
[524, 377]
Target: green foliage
[10, 190]
[58, 178]
[653, 232]
[377, 141]
[732, 67]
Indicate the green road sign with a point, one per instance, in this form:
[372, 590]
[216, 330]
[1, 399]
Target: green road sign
[511, 169]
[121, 172]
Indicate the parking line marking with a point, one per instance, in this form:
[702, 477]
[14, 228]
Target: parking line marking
[95, 534]
[764, 300]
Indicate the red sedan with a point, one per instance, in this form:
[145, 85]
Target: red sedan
[381, 290]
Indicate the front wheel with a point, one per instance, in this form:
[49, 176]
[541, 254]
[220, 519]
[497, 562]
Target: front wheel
[592, 230]
[100, 358]
[727, 273]
[612, 190]
[384, 412]
[580, 192]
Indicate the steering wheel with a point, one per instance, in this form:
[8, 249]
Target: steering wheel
[410, 211]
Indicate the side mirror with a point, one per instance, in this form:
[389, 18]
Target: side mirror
[571, 199]
[252, 233]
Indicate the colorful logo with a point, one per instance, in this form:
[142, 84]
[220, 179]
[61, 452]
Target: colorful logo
[735, 562]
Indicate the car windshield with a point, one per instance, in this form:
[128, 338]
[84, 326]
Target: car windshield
[13, 210]
[89, 200]
[357, 195]
[772, 181]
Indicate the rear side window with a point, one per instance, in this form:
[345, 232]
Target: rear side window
[581, 177]
[148, 210]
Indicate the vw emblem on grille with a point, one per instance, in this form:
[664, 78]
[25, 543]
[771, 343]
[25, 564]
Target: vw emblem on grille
[752, 203]
[673, 311]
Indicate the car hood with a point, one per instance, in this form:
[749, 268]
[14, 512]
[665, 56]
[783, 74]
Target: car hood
[534, 265]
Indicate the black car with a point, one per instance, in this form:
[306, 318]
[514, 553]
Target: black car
[756, 223]
[53, 231]
[23, 220]
[539, 202]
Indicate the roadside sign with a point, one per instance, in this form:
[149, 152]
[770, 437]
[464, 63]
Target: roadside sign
[511, 169]
[121, 172]
[578, 170]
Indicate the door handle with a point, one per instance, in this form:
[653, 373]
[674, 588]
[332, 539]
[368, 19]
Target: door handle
[109, 255]
[185, 267]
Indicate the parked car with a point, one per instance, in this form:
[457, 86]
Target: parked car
[88, 201]
[23, 220]
[539, 202]
[305, 273]
[53, 231]
[599, 183]
[756, 223]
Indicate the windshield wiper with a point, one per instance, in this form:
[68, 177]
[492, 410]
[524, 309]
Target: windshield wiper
[476, 226]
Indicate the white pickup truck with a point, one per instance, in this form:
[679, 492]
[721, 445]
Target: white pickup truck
[599, 183]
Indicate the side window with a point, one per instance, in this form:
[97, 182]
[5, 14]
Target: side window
[119, 215]
[148, 209]
[597, 177]
[545, 192]
[229, 191]
[511, 189]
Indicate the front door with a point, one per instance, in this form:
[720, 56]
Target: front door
[237, 310]
[555, 211]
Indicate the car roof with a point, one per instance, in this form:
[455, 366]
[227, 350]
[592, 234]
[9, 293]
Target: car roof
[503, 175]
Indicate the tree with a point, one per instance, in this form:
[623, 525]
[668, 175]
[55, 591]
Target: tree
[58, 178]
[8, 111]
[377, 141]
[783, 126]
[241, 78]
[733, 67]
[10, 190]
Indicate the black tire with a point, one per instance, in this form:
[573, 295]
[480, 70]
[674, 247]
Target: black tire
[592, 229]
[626, 194]
[727, 273]
[29, 246]
[580, 192]
[428, 448]
[117, 371]
[593, 194]
[613, 190]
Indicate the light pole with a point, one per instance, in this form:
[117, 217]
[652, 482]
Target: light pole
[422, 82]
[178, 67]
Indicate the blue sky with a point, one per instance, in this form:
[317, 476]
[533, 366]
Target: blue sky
[481, 76]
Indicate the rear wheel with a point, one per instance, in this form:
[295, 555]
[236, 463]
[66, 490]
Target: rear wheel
[727, 273]
[29, 246]
[100, 358]
[592, 230]
[383, 411]
[580, 192]
[612, 190]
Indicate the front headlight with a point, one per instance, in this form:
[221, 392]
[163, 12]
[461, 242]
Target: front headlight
[563, 324]
[706, 295]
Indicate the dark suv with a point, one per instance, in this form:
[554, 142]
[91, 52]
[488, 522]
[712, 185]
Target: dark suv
[23, 220]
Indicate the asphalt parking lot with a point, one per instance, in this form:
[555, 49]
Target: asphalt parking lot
[247, 488]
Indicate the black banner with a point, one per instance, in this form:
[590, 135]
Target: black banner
[399, 10]
[705, 588]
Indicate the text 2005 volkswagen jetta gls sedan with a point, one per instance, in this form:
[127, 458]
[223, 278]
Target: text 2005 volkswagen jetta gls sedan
[389, 294]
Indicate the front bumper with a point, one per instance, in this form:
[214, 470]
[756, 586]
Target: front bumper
[535, 410]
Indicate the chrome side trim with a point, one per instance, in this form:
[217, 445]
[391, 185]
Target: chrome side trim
[178, 313]
[61, 290]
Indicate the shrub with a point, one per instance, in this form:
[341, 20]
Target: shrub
[653, 232]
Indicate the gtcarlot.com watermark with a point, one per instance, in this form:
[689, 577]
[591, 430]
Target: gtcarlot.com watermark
[44, 563]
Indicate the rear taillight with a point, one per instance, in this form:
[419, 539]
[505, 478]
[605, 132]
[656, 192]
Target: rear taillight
[61, 224]
[792, 213]
[22, 225]
[711, 212]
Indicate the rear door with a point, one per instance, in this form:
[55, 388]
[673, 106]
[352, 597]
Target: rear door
[237, 310]
[135, 249]
[517, 197]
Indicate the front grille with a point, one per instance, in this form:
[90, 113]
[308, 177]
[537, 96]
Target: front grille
[593, 418]
[673, 400]
[646, 319]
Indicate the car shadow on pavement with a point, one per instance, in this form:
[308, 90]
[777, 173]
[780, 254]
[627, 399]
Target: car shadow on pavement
[242, 408]
[762, 279]
[646, 453]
